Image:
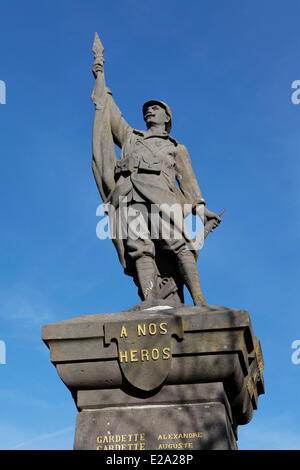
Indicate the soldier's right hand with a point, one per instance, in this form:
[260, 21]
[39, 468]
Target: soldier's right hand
[97, 67]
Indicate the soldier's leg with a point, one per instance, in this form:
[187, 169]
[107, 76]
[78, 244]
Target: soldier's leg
[141, 250]
[188, 270]
[186, 264]
[147, 276]
[142, 254]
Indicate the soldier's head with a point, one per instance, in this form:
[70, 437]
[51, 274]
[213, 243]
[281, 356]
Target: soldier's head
[157, 112]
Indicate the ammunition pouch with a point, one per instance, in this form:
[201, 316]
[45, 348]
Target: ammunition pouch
[128, 165]
[150, 165]
[125, 166]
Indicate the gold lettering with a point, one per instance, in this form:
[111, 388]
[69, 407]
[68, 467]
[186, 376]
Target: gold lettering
[179, 445]
[155, 354]
[163, 330]
[166, 353]
[144, 355]
[133, 446]
[123, 332]
[123, 356]
[152, 329]
[183, 435]
[135, 355]
[134, 441]
[120, 447]
[141, 330]
[133, 352]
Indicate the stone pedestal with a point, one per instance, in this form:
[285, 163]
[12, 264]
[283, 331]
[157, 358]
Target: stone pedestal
[171, 379]
[179, 417]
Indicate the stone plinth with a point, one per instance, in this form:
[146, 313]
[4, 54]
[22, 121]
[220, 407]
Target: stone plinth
[179, 378]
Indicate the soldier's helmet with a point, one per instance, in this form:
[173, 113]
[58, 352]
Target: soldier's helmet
[163, 105]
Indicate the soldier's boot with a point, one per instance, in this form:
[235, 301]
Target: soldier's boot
[147, 277]
[188, 270]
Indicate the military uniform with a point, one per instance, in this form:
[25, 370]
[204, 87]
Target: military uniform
[152, 169]
[146, 176]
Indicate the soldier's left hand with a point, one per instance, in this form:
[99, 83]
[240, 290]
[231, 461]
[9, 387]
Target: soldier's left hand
[209, 215]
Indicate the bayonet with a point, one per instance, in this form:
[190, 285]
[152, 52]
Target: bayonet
[98, 48]
[98, 94]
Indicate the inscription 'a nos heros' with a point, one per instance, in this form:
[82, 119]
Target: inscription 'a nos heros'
[145, 354]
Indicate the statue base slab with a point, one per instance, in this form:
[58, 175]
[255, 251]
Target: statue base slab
[179, 417]
[180, 378]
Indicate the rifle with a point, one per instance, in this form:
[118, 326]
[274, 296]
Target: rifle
[208, 227]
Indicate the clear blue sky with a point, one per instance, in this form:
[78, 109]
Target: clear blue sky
[225, 69]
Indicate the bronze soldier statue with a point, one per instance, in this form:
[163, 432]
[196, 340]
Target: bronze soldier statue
[153, 170]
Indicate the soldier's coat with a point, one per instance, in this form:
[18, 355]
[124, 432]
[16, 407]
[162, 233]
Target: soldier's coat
[148, 169]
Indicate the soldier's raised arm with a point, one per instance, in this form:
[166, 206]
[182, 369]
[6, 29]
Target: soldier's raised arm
[109, 127]
[102, 97]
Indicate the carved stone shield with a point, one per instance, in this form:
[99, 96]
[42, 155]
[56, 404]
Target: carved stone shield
[144, 348]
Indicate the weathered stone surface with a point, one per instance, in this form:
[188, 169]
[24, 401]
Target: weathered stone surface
[182, 417]
[153, 176]
[170, 427]
[154, 360]
[160, 369]
[168, 395]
